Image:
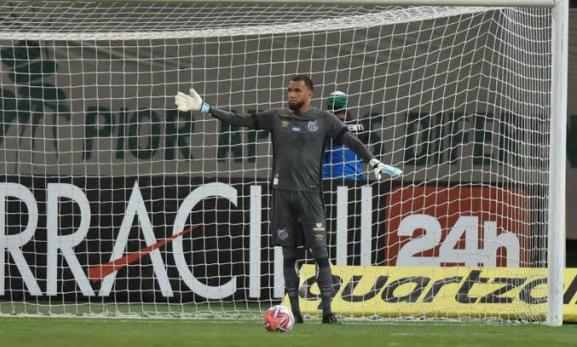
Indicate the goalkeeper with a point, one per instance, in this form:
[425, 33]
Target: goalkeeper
[298, 137]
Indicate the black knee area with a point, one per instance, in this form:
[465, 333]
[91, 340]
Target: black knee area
[319, 251]
[289, 252]
[289, 263]
[325, 279]
[323, 262]
[291, 277]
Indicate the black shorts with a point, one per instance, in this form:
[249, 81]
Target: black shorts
[298, 219]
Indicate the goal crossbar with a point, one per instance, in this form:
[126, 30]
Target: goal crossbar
[489, 3]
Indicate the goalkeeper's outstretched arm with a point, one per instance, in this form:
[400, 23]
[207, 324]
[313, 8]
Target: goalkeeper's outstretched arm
[194, 102]
[358, 147]
[241, 119]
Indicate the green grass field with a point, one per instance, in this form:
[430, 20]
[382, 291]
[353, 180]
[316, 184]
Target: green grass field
[63, 332]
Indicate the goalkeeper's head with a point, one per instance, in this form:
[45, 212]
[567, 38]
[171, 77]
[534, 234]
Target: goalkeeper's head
[300, 92]
[337, 103]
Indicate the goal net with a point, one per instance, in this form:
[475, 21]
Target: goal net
[114, 203]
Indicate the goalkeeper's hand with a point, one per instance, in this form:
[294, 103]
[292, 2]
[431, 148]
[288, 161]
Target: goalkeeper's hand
[379, 168]
[192, 102]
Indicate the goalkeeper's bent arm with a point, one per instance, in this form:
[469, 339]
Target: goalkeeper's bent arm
[356, 145]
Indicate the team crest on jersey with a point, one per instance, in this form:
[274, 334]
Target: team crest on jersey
[285, 123]
[282, 234]
[313, 126]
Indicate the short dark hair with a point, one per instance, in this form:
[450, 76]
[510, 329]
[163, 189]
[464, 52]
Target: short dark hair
[305, 79]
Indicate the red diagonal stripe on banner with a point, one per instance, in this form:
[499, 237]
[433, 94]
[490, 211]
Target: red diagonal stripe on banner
[97, 273]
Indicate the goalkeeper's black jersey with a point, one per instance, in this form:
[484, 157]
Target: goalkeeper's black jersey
[298, 143]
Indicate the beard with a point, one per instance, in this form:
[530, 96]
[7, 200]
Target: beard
[295, 106]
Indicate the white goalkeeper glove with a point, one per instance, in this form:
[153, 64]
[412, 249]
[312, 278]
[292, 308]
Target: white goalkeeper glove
[379, 168]
[192, 102]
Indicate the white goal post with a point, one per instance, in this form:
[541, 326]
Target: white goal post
[114, 203]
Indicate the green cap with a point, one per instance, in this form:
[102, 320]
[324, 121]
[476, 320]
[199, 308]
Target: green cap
[337, 101]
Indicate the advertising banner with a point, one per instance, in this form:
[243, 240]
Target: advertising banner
[148, 238]
[512, 293]
[461, 225]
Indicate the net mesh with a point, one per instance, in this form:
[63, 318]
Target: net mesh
[116, 203]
